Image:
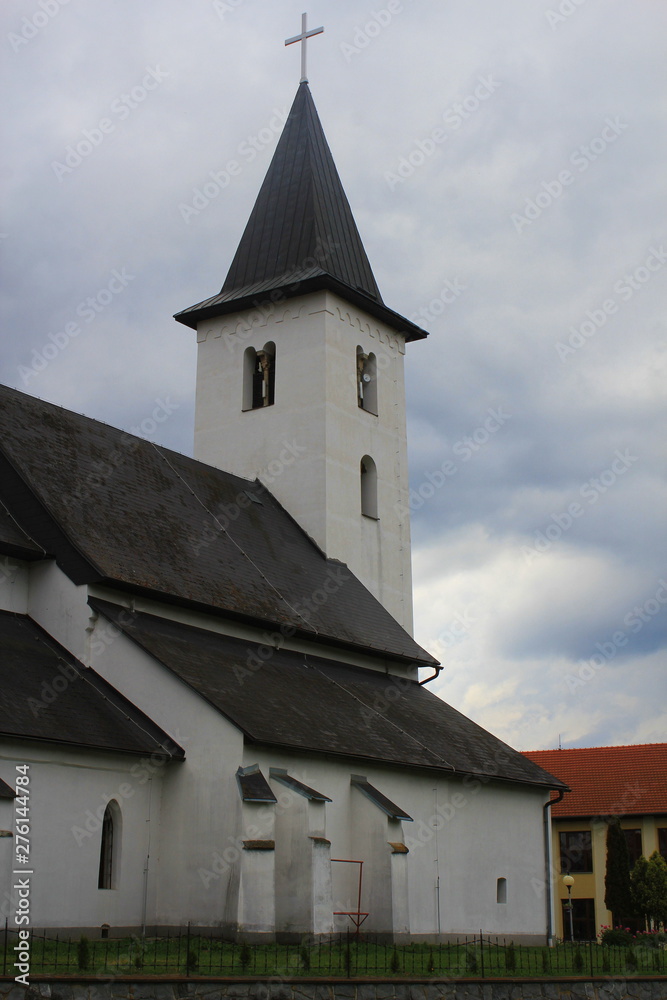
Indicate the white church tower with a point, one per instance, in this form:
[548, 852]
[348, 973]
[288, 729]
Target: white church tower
[300, 368]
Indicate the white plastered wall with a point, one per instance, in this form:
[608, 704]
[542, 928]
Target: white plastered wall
[469, 834]
[307, 447]
[68, 793]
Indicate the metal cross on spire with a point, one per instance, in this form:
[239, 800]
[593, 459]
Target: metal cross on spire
[305, 34]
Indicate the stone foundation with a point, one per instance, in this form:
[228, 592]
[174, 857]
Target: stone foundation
[216, 989]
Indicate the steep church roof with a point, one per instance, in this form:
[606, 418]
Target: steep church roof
[365, 714]
[46, 694]
[301, 235]
[112, 507]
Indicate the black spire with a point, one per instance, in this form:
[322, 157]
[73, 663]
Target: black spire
[301, 224]
[301, 235]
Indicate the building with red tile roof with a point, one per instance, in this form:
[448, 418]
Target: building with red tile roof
[625, 782]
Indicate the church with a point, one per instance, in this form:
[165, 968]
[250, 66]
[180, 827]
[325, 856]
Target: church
[212, 707]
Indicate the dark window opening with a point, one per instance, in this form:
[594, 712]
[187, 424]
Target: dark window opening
[576, 851]
[367, 397]
[105, 878]
[662, 841]
[583, 920]
[633, 839]
[259, 377]
[369, 488]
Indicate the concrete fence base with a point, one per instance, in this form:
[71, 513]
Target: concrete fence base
[216, 989]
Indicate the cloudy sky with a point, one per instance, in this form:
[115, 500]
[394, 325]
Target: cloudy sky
[505, 163]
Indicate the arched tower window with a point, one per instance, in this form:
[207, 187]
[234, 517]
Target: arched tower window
[367, 386]
[501, 890]
[259, 377]
[110, 847]
[369, 487]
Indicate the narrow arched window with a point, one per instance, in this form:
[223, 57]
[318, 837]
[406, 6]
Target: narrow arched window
[369, 487]
[367, 387]
[109, 847]
[501, 890]
[259, 377]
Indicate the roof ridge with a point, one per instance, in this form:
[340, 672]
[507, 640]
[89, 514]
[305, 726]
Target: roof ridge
[613, 746]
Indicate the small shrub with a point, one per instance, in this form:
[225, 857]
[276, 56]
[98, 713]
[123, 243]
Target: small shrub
[395, 964]
[245, 956]
[471, 960]
[510, 957]
[83, 953]
[304, 954]
[606, 964]
[615, 936]
[139, 961]
[191, 962]
[578, 961]
[431, 963]
[651, 939]
[631, 958]
[546, 960]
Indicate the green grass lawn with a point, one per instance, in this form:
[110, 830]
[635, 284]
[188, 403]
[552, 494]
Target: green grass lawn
[208, 956]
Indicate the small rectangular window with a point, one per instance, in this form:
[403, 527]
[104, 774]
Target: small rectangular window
[501, 890]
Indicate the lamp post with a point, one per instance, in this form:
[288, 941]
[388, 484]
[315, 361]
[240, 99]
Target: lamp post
[569, 882]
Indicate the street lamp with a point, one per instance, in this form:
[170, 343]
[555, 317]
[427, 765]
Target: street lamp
[569, 882]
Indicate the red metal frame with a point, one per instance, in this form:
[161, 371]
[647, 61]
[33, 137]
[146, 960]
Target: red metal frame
[356, 916]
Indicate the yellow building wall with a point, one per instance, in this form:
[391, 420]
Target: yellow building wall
[590, 885]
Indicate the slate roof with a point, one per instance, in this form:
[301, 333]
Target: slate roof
[6, 791]
[112, 507]
[47, 695]
[380, 800]
[13, 540]
[301, 235]
[311, 704]
[609, 781]
[253, 786]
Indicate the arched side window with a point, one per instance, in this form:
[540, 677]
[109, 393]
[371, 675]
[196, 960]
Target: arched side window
[259, 377]
[110, 847]
[501, 890]
[367, 385]
[369, 487]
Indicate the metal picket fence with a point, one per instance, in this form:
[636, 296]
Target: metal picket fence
[199, 952]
